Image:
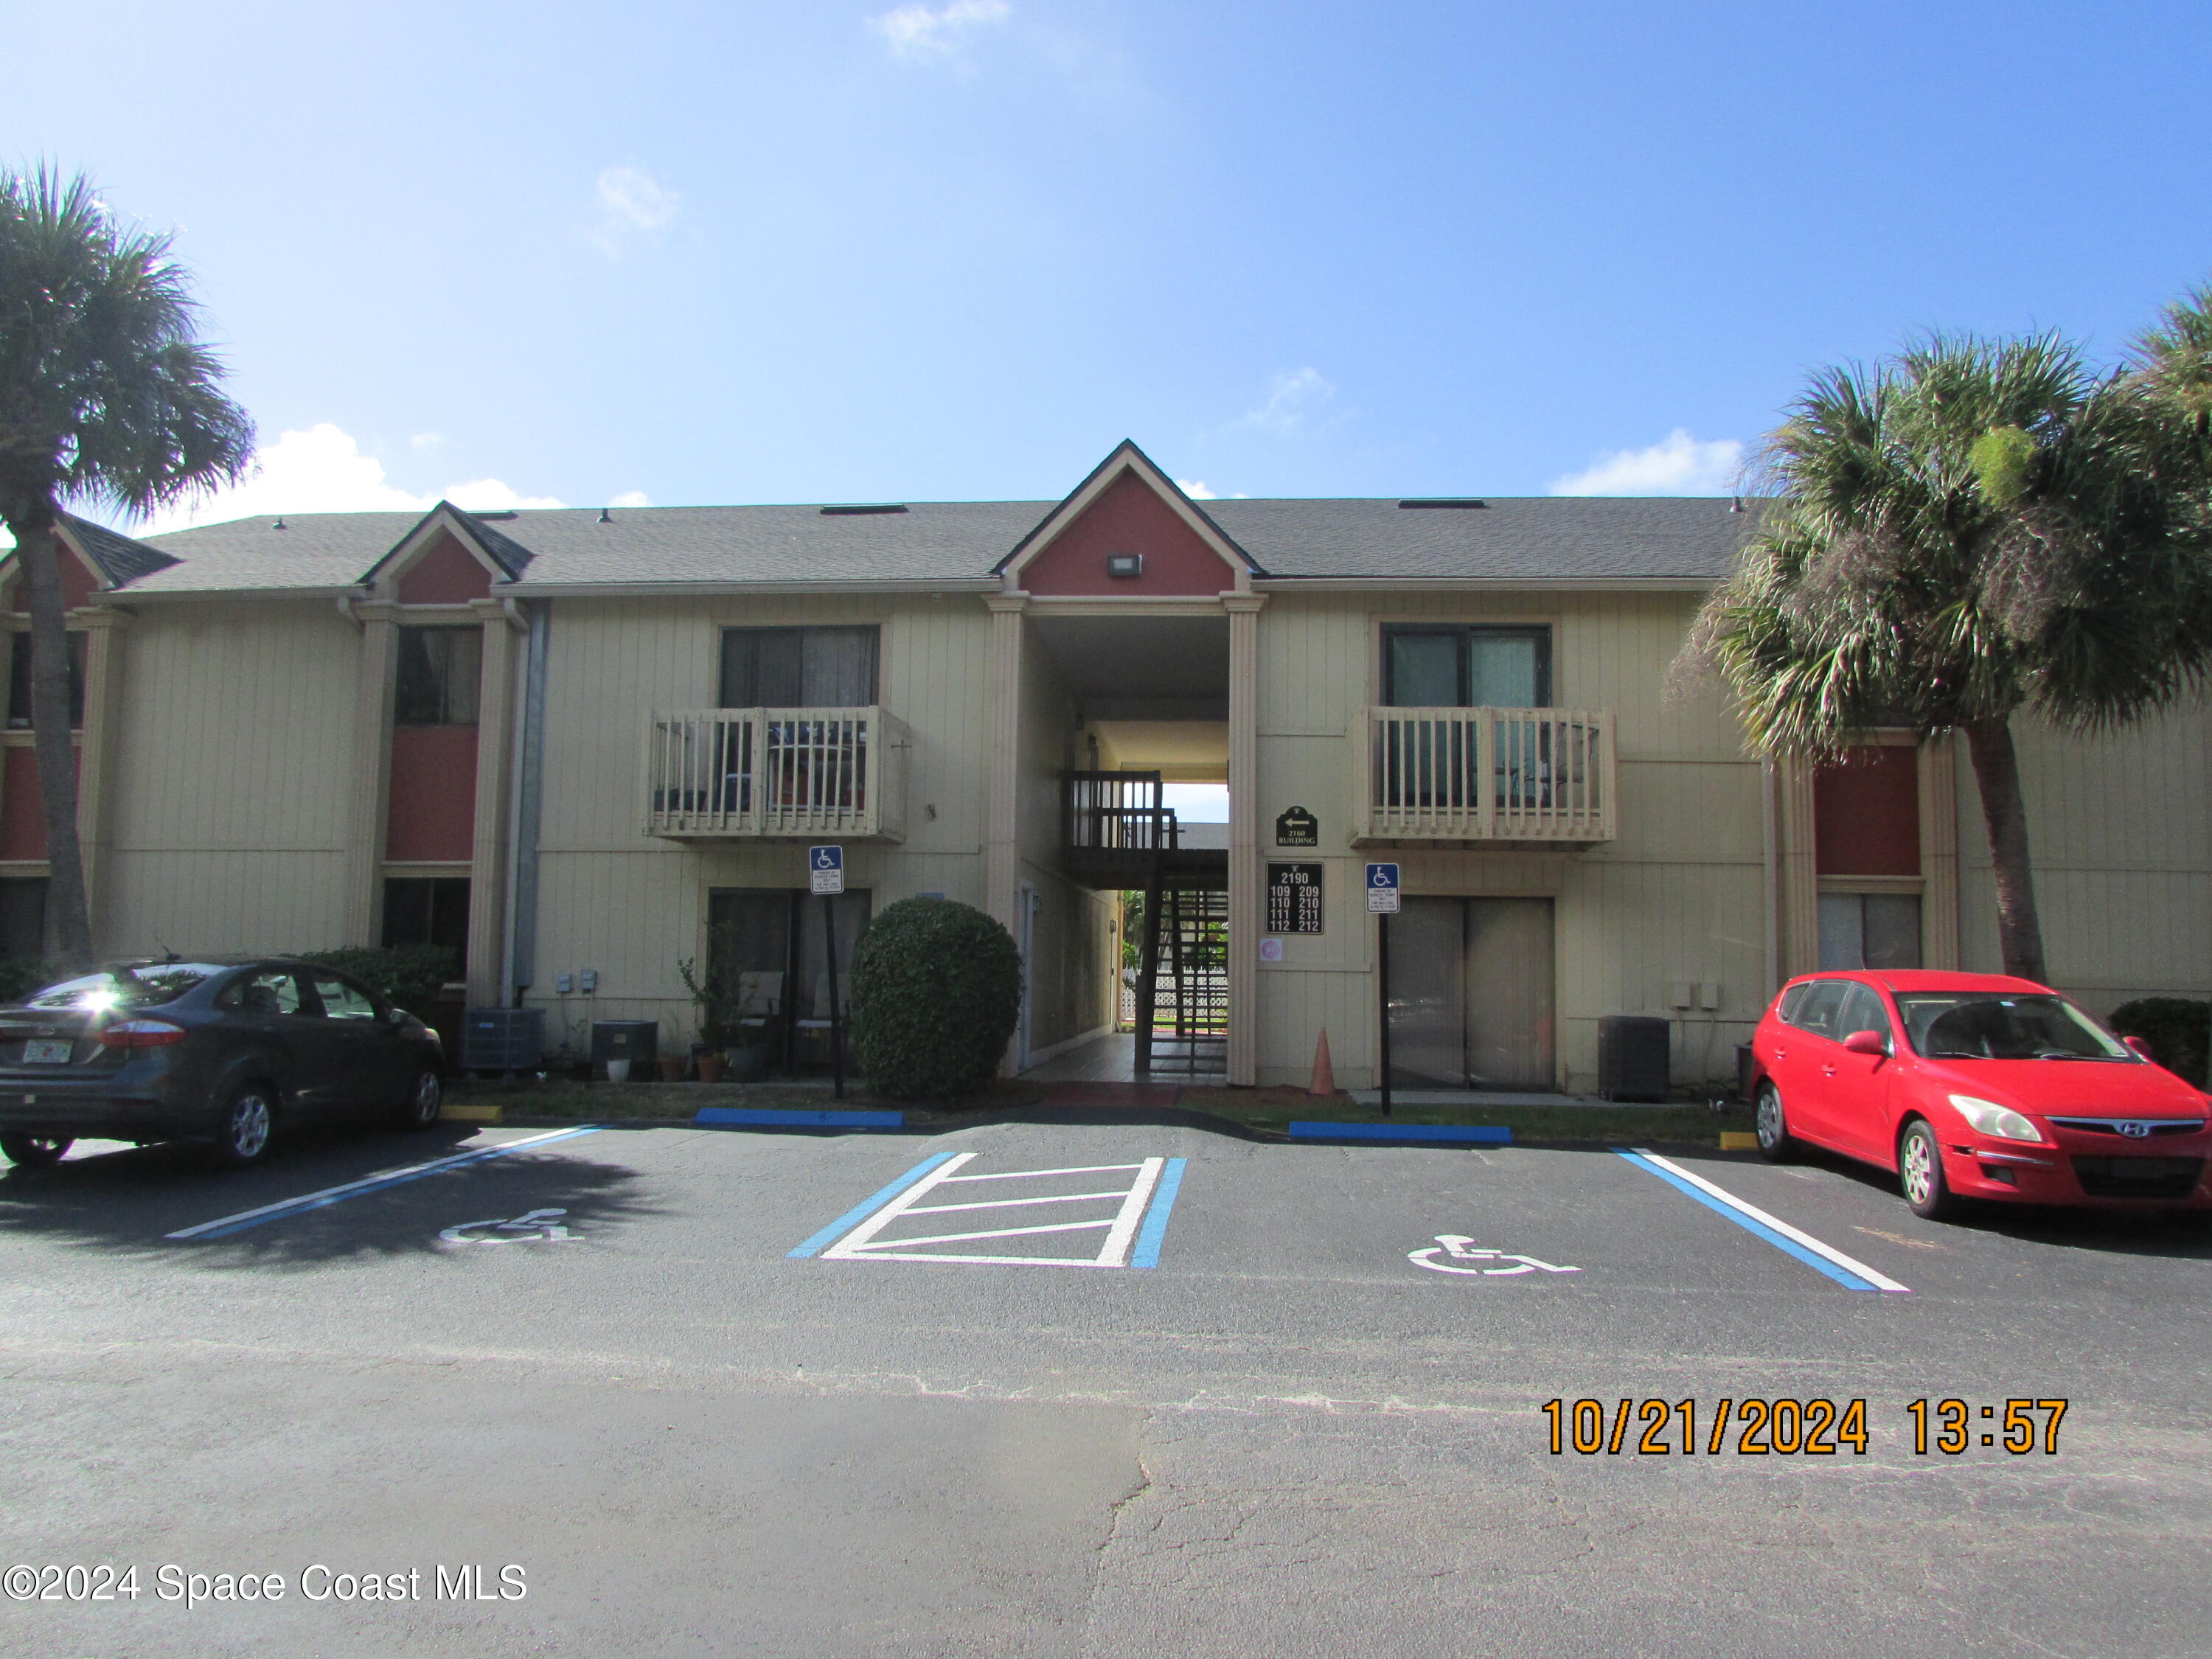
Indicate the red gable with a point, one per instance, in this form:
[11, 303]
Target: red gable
[447, 575]
[1129, 516]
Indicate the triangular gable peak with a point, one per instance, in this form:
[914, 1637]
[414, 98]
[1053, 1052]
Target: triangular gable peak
[442, 561]
[1128, 506]
[82, 576]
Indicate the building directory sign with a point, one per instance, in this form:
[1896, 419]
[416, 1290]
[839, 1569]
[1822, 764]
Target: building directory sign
[1383, 889]
[825, 869]
[1298, 828]
[1294, 898]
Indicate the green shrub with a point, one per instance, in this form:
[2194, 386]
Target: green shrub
[2178, 1031]
[412, 975]
[19, 978]
[937, 987]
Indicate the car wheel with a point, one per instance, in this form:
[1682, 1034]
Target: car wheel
[1920, 1173]
[243, 1131]
[34, 1152]
[1773, 1125]
[425, 1101]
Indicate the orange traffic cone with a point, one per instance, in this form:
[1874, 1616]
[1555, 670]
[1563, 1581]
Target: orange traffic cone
[1324, 1075]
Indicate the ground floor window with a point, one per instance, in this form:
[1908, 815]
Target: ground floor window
[1471, 994]
[428, 910]
[1870, 930]
[23, 919]
[767, 960]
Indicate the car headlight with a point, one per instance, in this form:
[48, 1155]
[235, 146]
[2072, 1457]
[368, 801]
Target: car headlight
[1992, 1118]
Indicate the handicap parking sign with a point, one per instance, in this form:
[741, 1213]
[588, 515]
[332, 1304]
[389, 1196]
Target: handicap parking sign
[825, 869]
[1383, 889]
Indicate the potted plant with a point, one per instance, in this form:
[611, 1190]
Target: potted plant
[716, 996]
[707, 1061]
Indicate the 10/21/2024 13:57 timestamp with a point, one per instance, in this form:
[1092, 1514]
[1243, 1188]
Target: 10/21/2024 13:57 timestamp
[1816, 1427]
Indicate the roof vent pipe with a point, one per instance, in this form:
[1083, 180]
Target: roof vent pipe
[606, 517]
[280, 524]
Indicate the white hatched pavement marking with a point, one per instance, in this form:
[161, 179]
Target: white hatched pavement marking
[1121, 1227]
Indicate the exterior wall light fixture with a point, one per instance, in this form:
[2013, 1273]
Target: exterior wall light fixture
[1125, 566]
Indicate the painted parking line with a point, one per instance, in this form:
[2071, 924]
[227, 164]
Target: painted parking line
[1141, 1194]
[1847, 1271]
[223, 1227]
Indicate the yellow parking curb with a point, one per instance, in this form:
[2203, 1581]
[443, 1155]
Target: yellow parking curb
[1739, 1140]
[472, 1113]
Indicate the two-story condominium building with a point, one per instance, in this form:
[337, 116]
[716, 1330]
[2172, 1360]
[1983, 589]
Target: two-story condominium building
[584, 747]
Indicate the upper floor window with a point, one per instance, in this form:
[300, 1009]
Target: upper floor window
[1452, 667]
[798, 667]
[439, 671]
[19, 683]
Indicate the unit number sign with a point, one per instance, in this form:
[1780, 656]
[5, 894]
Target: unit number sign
[1294, 898]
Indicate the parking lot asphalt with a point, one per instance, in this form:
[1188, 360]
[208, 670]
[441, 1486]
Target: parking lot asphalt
[1312, 1424]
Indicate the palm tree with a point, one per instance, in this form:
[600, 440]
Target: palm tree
[1969, 530]
[105, 396]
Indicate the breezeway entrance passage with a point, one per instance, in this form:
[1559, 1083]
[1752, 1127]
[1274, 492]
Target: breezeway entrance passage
[1029, 1217]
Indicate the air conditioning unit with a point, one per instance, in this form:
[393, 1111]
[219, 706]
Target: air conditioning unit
[1633, 1057]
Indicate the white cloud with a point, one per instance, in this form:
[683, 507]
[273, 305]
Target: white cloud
[631, 498]
[1197, 490]
[632, 202]
[1677, 466]
[422, 440]
[1292, 396]
[928, 35]
[322, 470]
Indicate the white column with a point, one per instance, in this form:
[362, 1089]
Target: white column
[372, 770]
[1799, 899]
[103, 705]
[1939, 853]
[1245, 919]
[1002, 853]
[487, 854]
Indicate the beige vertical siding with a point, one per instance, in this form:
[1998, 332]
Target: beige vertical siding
[1677, 897]
[2120, 830]
[618, 900]
[231, 778]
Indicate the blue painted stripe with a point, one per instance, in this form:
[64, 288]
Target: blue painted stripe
[1449, 1134]
[1149, 1237]
[356, 1189]
[867, 1206]
[740, 1116]
[1843, 1276]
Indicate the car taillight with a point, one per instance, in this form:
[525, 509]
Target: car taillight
[140, 1034]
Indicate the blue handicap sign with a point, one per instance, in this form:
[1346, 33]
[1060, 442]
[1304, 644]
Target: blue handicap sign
[1383, 889]
[833, 858]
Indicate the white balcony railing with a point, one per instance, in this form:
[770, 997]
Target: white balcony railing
[776, 774]
[1488, 774]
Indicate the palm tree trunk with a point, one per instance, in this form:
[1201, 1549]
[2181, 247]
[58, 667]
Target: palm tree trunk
[40, 555]
[2004, 809]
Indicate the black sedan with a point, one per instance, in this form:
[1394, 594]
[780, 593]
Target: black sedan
[225, 1053]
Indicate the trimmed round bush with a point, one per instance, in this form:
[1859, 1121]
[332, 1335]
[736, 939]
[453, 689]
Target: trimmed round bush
[2178, 1029]
[937, 987]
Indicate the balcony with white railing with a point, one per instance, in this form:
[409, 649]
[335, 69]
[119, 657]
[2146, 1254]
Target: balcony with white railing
[775, 774]
[1510, 775]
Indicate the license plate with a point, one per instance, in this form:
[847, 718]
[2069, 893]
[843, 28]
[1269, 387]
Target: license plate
[47, 1054]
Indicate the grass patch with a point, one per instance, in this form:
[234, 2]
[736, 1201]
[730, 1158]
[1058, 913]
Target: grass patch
[1274, 1109]
[1269, 1109]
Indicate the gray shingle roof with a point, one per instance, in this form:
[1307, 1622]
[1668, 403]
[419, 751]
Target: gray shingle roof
[1530, 537]
[120, 558]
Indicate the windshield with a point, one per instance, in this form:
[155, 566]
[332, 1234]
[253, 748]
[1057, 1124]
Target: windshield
[124, 987]
[1969, 1025]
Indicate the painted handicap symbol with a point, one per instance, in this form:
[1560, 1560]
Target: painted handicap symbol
[1455, 1253]
[532, 1227]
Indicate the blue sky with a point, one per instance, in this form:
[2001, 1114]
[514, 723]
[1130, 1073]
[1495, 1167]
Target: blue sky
[957, 248]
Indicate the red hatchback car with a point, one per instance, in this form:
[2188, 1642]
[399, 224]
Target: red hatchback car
[1976, 1085]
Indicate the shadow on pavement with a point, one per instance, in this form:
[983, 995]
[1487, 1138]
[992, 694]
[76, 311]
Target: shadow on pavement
[129, 1199]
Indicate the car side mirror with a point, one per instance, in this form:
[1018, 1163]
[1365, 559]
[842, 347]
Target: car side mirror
[1867, 1043]
[2141, 1049]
